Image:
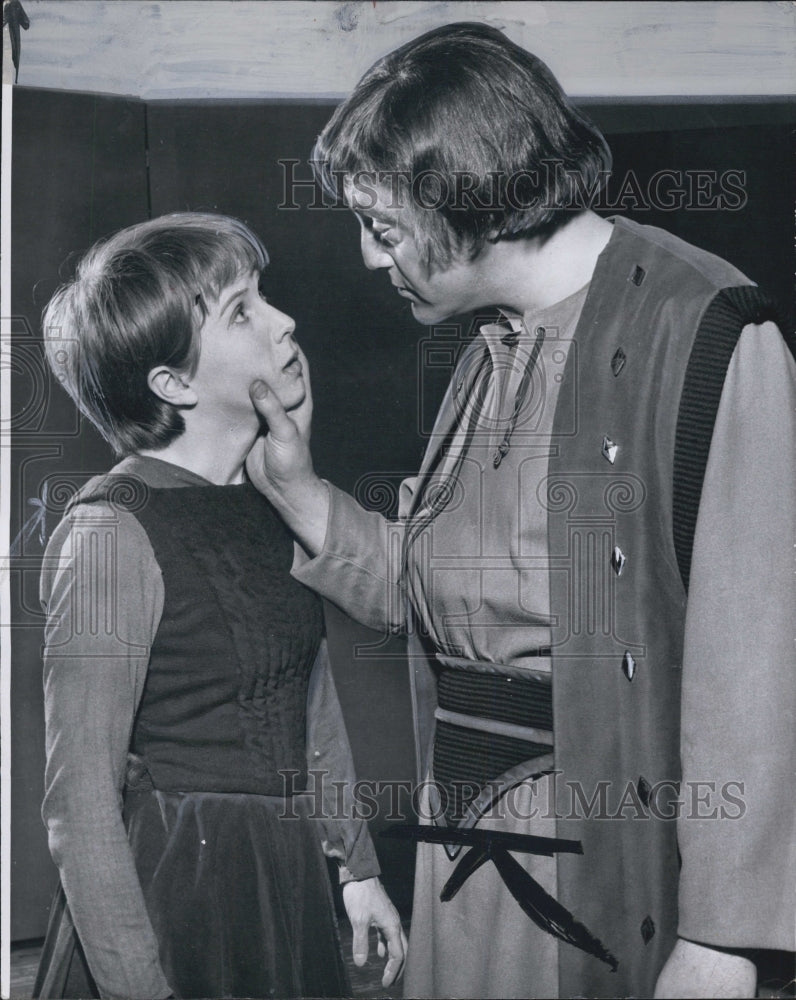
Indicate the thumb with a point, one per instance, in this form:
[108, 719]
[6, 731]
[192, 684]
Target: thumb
[360, 942]
[267, 404]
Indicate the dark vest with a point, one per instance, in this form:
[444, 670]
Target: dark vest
[224, 703]
[620, 601]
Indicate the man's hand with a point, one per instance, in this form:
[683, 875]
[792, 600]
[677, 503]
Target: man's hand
[280, 465]
[368, 905]
[696, 970]
[285, 449]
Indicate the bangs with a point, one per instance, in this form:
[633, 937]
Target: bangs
[227, 254]
[204, 260]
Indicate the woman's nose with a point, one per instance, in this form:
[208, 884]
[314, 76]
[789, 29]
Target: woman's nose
[285, 325]
[373, 253]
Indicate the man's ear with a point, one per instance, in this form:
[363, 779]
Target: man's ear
[171, 386]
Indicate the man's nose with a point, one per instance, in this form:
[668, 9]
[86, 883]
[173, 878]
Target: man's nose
[373, 253]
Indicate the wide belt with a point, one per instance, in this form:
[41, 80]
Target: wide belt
[494, 729]
[488, 725]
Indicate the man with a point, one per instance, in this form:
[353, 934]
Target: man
[575, 630]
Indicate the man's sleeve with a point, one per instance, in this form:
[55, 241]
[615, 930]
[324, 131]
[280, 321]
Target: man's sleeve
[737, 831]
[103, 594]
[359, 566]
[345, 837]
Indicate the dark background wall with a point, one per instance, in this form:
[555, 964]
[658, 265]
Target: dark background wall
[79, 171]
[86, 165]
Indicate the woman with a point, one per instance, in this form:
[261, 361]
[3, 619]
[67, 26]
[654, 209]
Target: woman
[187, 685]
[563, 659]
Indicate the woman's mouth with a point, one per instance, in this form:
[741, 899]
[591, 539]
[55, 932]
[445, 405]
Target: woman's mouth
[294, 367]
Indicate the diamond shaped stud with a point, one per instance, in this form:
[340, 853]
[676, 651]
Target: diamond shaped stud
[618, 560]
[618, 361]
[628, 665]
[610, 448]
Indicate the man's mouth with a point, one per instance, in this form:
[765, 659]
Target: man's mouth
[409, 293]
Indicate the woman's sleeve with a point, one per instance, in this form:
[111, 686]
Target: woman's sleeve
[736, 829]
[103, 594]
[345, 837]
[359, 567]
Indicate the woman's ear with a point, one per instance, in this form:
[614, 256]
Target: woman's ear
[171, 386]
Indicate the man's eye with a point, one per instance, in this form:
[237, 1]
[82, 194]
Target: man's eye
[383, 236]
[239, 315]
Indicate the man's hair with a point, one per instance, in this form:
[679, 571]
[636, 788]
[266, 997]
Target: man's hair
[137, 301]
[474, 132]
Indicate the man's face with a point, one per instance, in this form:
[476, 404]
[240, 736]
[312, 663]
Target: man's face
[387, 241]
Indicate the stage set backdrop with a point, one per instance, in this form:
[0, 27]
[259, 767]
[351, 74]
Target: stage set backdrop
[126, 110]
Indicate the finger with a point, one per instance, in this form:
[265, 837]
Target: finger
[305, 365]
[268, 406]
[302, 415]
[381, 947]
[256, 465]
[359, 947]
[397, 947]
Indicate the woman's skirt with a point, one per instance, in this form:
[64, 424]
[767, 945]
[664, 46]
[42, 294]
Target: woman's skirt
[237, 889]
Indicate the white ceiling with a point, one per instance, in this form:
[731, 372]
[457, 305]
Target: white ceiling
[297, 49]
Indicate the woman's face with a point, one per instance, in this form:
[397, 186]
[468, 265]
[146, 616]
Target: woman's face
[244, 338]
[387, 241]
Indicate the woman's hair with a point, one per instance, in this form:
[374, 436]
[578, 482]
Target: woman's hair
[137, 301]
[473, 133]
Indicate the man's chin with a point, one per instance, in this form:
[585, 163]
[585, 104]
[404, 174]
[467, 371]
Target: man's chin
[428, 314]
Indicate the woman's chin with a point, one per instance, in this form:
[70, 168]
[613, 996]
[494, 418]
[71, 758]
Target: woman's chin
[293, 399]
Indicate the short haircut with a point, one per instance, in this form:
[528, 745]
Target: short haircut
[475, 130]
[137, 301]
